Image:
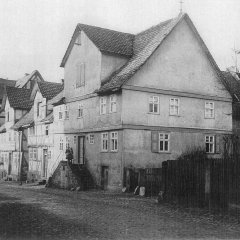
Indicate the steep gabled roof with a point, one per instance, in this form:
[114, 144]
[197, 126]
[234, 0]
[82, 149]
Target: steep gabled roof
[50, 89]
[106, 40]
[146, 43]
[25, 121]
[233, 85]
[23, 81]
[3, 84]
[19, 98]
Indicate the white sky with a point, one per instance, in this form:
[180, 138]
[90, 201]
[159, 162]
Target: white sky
[34, 34]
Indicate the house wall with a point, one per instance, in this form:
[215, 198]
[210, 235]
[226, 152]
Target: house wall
[86, 53]
[111, 63]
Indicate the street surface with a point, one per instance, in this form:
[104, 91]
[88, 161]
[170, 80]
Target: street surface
[30, 212]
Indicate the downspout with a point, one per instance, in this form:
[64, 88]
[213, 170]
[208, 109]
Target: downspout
[19, 155]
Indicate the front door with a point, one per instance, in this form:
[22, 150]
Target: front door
[44, 167]
[104, 177]
[81, 149]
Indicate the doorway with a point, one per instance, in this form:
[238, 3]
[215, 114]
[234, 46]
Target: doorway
[45, 163]
[81, 159]
[104, 177]
[10, 164]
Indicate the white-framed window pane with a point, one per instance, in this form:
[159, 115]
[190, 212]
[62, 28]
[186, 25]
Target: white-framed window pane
[209, 109]
[164, 142]
[80, 111]
[154, 104]
[104, 140]
[113, 104]
[210, 143]
[103, 105]
[114, 141]
[66, 112]
[91, 138]
[174, 106]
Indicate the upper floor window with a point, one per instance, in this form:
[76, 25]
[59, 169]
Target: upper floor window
[60, 113]
[103, 105]
[210, 143]
[46, 130]
[67, 142]
[209, 109]
[104, 141]
[80, 111]
[154, 104]
[61, 144]
[38, 109]
[114, 141]
[174, 106]
[66, 112]
[91, 139]
[113, 104]
[80, 80]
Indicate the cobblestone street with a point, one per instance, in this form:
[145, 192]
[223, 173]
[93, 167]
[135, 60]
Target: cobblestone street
[39, 213]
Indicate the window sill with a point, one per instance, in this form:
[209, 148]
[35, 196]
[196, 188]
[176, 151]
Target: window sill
[209, 117]
[104, 151]
[164, 152]
[114, 151]
[79, 117]
[153, 113]
[174, 115]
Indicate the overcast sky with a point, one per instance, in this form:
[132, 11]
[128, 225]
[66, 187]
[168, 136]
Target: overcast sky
[34, 34]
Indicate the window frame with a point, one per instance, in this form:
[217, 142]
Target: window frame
[47, 130]
[176, 106]
[91, 138]
[208, 108]
[103, 105]
[113, 103]
[66, 112]
[210, 143]
[113, 141]
[61, 144]
[164, 140]
[60, 113]
[104, 139]
[151, 101]
[80, 110]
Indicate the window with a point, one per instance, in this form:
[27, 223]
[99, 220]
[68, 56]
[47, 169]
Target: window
[209, 141]
[164, 142]
[34, 154]
[209, 109]
[75, 139]
[80, 111]
[113, 104]
[91, 139]
[46, 130]
[104, 141]
[80, 80]
[154, 104]
[30, 154]
[66, 112]
[38, 109]
[61, 144]
[60, 113]
[67, 142]
[174, 106]
[103, 105]
[114, 141]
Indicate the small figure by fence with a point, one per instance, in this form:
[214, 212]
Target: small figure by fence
[69, 155]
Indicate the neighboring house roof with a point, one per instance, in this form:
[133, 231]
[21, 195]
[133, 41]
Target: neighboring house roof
[23, 81]
[19, 98]
[145, 45]
[105, 40]
[25, 121]
[3, 84]
[49, 118]
[233, 84]
[50, 89]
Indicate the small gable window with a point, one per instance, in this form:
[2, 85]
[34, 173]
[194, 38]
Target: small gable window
[154, 104]
[38, 109]
[47, 130]
[80, 76]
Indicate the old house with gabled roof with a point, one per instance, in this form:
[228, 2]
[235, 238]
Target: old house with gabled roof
[38, 125]
[136, 100]
[16, 103]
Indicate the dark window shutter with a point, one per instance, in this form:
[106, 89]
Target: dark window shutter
[217, 144]
[155, 147]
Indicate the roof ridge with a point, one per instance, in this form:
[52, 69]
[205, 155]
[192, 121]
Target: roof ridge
[101, 28]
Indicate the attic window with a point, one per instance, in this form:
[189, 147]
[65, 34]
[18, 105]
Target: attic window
[78, 40]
